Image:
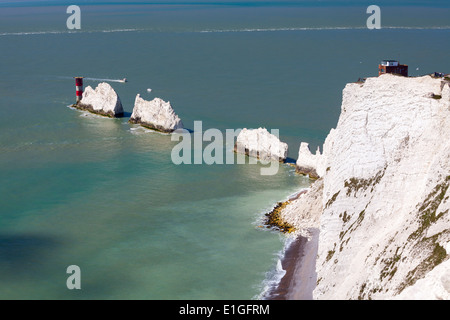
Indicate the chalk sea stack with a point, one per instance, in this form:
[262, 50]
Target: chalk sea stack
[156, 114]
[307, 162]
[261, 144]
[103, 101]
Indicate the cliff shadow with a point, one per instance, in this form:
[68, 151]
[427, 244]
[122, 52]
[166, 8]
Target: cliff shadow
[290, 161]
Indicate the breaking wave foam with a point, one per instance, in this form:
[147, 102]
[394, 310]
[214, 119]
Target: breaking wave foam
[274, 276]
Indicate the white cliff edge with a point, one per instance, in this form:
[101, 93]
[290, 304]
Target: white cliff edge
[103, 100]
[261, 144]
[156, 114]
[382, 198]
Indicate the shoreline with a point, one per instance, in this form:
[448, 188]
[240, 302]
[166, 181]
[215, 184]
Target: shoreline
[299, 262]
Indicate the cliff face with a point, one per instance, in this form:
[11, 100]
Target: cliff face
[385, 175]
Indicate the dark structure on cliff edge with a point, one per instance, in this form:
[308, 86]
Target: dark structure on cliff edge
[392, 66]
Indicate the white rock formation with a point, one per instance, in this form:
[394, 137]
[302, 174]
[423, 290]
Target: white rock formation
[385, 169]
[103, 100]
[261, 144]
[307, 163]
[155, 114]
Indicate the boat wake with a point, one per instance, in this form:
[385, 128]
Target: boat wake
[96, 79]
[107, 80]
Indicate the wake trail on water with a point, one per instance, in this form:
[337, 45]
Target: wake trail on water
[107, 80]
[96, 79]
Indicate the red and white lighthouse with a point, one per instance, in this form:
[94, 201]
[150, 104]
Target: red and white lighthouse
[79, 88]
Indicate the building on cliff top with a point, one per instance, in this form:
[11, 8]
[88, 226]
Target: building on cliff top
[392, 66]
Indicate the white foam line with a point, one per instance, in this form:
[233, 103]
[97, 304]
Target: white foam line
[281, 29]
[65, 32]
[418, 28]
[227, 30]
[319, 29]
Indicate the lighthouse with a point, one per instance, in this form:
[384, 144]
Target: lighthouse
[79, 88]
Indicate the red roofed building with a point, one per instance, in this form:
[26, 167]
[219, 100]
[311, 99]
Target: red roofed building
[392, 66]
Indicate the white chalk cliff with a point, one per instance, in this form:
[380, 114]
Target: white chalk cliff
[156, 114]
[103, 100]
[261, 144]
[382, 200]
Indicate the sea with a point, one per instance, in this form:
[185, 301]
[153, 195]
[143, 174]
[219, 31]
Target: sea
[77, 189]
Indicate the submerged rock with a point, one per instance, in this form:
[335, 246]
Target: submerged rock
[261, 144]
[156, 114]
[103, 101]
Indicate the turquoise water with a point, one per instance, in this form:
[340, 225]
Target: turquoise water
[104, 195]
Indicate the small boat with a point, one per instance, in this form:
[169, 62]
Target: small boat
[123, 80]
